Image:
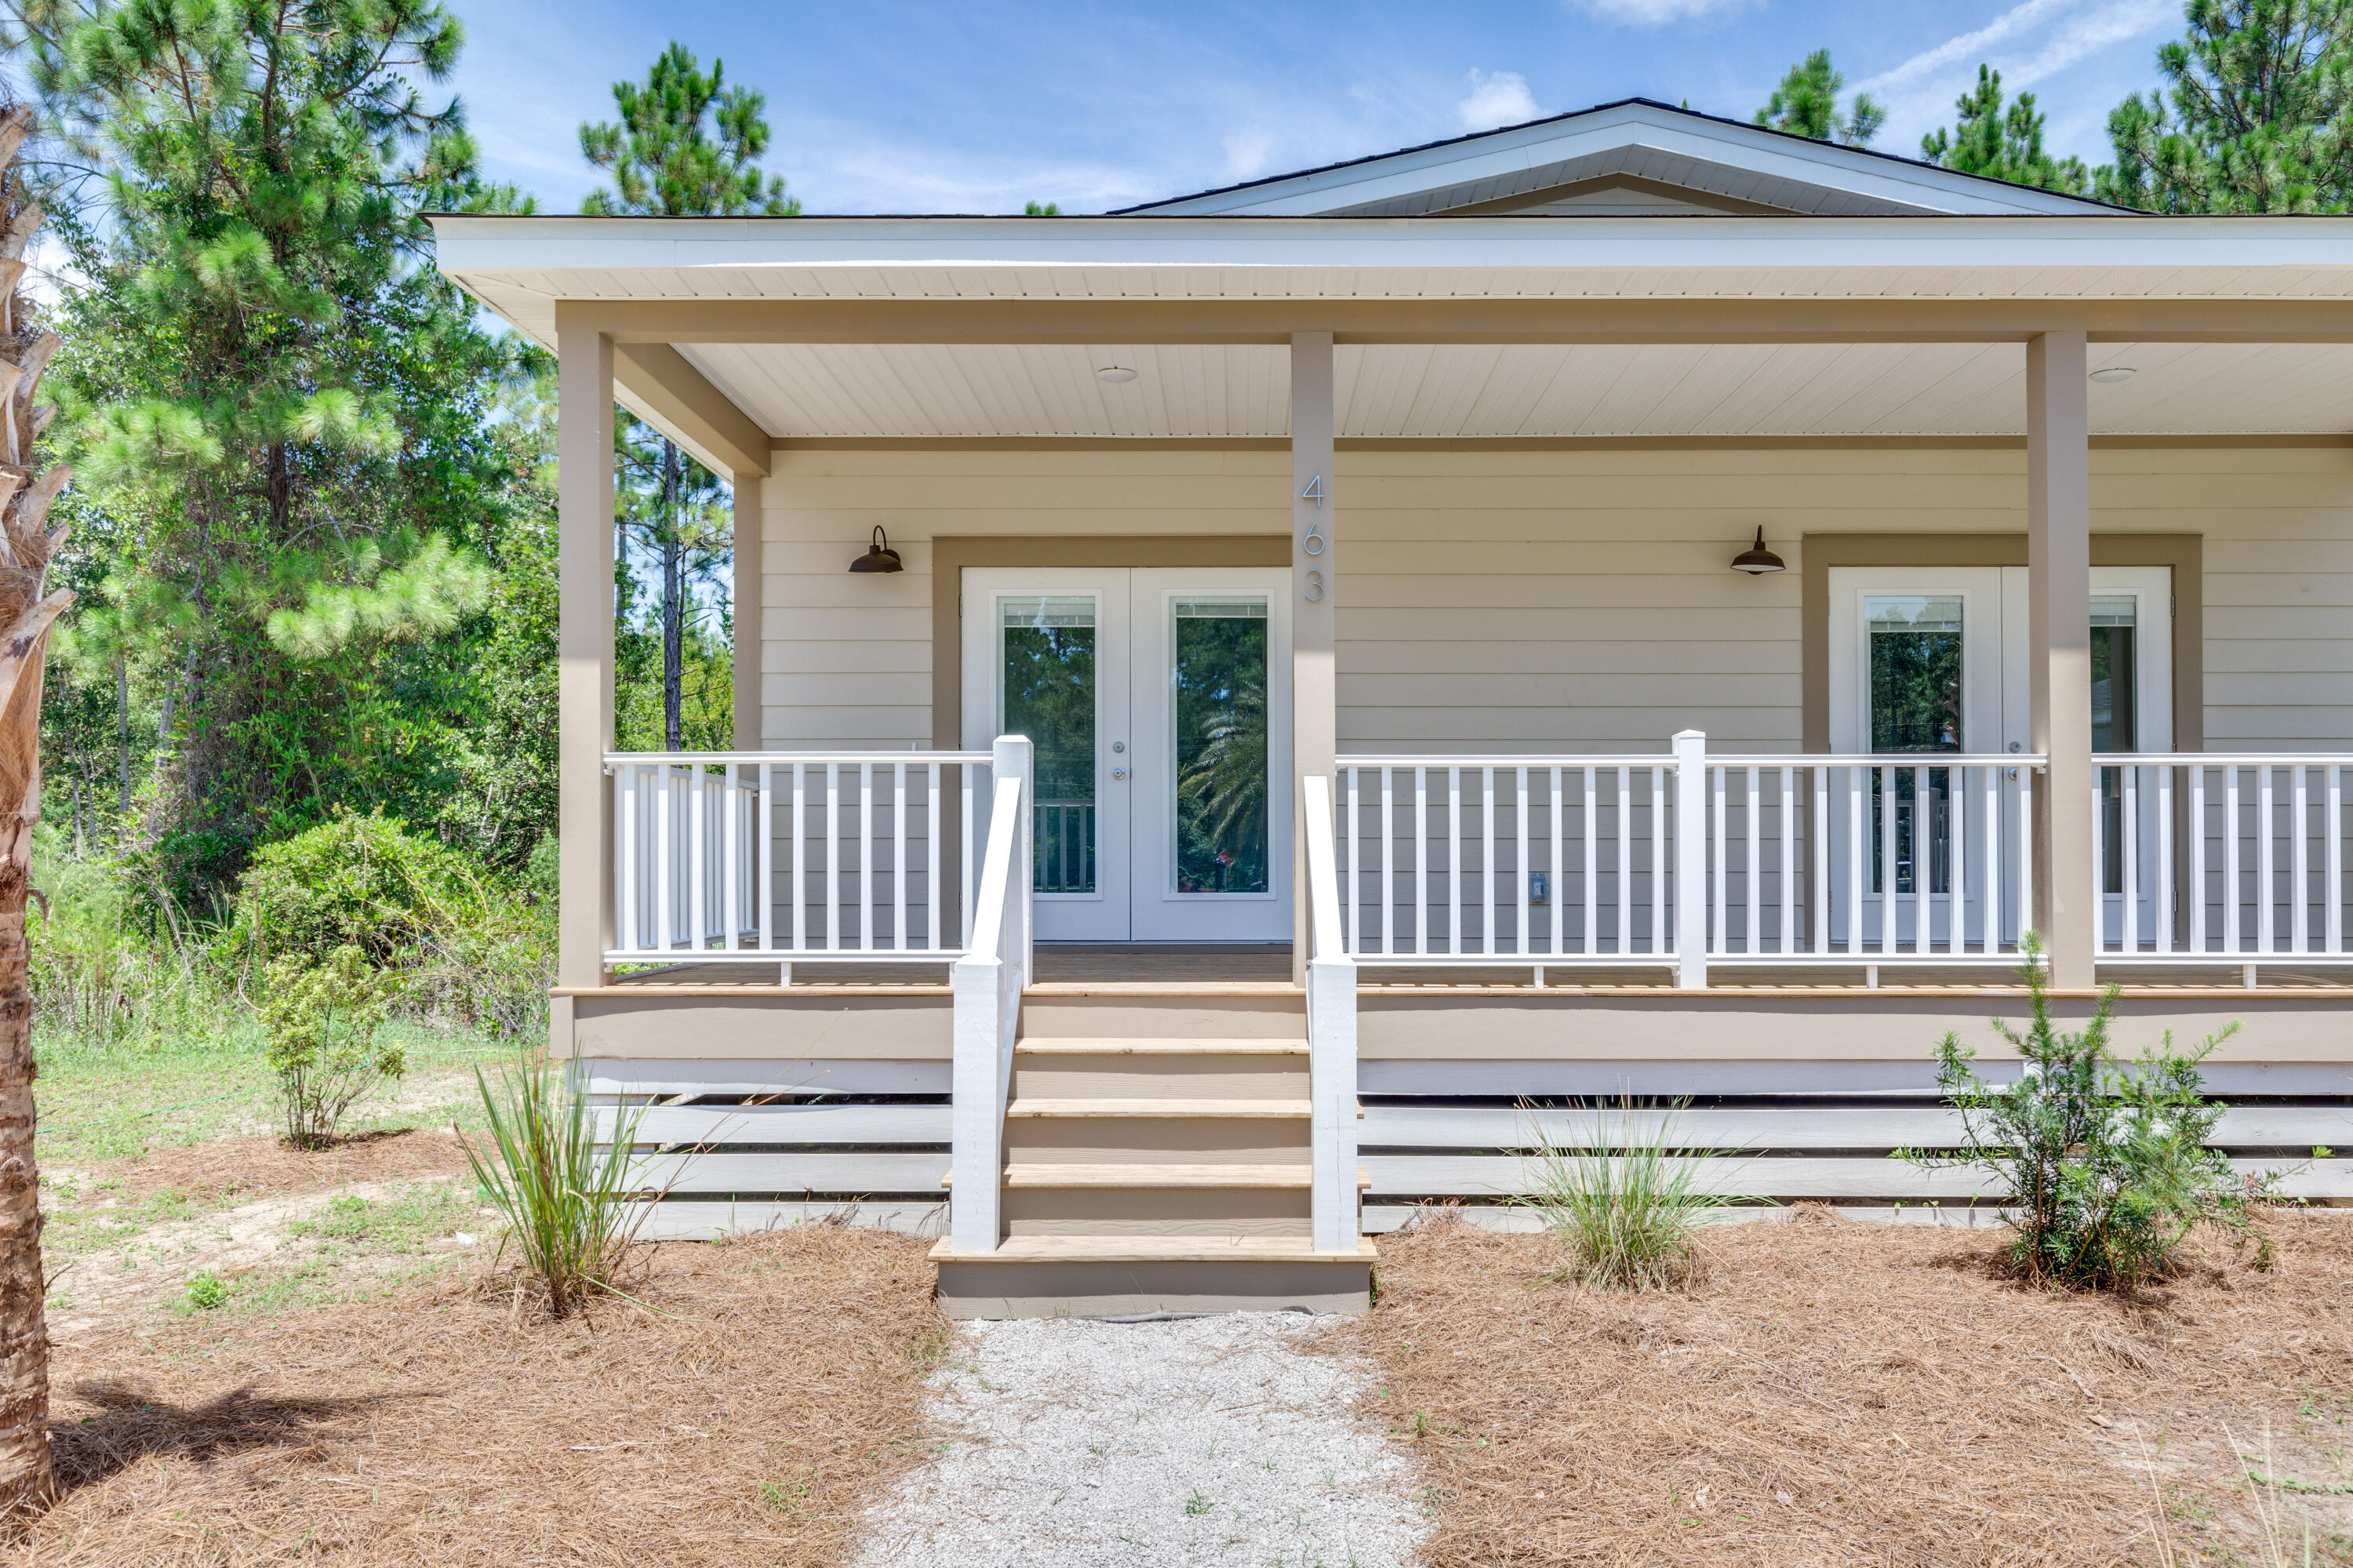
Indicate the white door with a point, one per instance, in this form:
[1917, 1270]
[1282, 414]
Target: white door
[1159, 701]
[1929, 660]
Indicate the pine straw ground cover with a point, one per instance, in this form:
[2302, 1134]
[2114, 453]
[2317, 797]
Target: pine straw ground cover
[774, 1391]
[1842, 1392]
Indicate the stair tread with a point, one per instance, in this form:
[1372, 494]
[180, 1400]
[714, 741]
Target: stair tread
[1174, 1173]
[1109, 1107]
[1179, 1047]
[1154, 1249]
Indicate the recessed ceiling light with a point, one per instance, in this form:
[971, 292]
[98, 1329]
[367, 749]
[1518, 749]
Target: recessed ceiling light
[2109, 374]
[1117, 374]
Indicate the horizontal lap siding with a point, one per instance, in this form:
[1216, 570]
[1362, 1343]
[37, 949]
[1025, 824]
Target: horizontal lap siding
[1572, 600]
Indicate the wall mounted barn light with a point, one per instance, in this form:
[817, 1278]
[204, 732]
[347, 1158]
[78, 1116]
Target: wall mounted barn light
[1756, 560]
[879, 556]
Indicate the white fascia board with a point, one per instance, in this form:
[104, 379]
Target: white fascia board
[1796, 159]
[593, 257]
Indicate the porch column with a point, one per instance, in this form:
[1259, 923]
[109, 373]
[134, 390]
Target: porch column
[584, 677]
[746, 555]
[1314, 682]
[2058, 659]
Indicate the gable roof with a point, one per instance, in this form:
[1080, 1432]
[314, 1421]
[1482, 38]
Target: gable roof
[1673, 159]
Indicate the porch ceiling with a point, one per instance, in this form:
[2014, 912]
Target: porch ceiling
[1465, 390]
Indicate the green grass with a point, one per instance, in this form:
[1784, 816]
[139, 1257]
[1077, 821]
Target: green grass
[321, 1267]
[118, 1102]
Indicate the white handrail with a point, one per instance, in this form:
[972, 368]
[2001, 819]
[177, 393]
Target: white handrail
[1336, 1222]
[723, 856]
[988, 984]
[2222, 858]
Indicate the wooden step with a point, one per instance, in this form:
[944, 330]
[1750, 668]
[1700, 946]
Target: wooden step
[1188, 1173]
[1116, 1047]
[1152, 1249]
[1108, 1108]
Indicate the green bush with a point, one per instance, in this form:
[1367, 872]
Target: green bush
[355, 882]
[322, 1019]
[2104, 1164]
[1627, 1197]
[207, 1291]
[109, 968]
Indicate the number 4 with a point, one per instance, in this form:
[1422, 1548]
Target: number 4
[1314, 494]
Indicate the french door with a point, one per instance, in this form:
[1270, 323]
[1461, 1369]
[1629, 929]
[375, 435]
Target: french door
[1934, 660]
[1159, 704]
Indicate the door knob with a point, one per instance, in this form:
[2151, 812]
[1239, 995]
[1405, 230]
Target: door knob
[1119, 773]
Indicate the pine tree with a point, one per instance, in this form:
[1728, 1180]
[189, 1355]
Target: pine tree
[2258, 115]
[1806, 104]
[2002, 145]
[275, 406]
[684, 147]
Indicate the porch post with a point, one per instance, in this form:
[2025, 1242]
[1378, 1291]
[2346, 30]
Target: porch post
[583, 679]
[746, 555]
[1315, 677]
[2059, 634]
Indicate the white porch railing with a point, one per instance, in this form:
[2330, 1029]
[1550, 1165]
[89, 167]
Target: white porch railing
[988, 982]
[727, 856]
[2212, 859]
[1548, 862]
[1333, 1204]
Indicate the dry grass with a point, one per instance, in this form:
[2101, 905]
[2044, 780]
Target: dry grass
[1837, 1393]
[256, 1167]
[750, 1423]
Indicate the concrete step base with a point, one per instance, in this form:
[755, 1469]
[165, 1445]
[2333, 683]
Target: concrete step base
[1086, 1276]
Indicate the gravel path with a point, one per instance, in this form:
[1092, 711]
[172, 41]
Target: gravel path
[1208, 1440]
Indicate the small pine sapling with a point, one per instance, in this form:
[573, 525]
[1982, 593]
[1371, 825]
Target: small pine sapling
[323, 1017]
[2106, 1164]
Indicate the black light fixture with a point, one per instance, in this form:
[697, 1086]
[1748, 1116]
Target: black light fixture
[880, 558]
[1756, 560]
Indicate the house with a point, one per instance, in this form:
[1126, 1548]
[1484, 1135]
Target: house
[1249, 706]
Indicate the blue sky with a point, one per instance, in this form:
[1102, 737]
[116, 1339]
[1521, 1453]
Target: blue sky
[891, 106]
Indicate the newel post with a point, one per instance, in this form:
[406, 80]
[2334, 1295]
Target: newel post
[1016, 757]
[1690, 859]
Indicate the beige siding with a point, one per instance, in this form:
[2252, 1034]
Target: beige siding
[1531, 599]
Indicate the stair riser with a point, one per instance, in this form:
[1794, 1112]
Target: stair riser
[1144, 1141]
[1155, 1212]
[1277, 1016]
[1160, 1077]
[976, 1289]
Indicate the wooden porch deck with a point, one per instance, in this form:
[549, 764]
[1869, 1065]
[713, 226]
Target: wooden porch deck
[1268, 963]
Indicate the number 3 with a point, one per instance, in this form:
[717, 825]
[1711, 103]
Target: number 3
[1316, 587]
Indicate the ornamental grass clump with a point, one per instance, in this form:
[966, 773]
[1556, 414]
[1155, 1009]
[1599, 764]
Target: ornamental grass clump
[2104, 1164]
[568, 1200]
[1628, 1197]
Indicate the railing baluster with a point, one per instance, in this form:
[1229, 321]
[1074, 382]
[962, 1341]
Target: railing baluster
[1626, 863]
[1421, 860]
[2198, 857]
[1520, 869]
[1719, 935]
[1487, 890]
[932, 854]
[1890, 897]
[1455, 859]
[1856, 789]
[1355, 824]
[1817, 895]
[731, 933]
[2128, 851]
[2164, 835]
[1752, 940]
[2266, 891]
[1789, 824]
[763, 844]
[1957, 866]
[965, 891]
[1924, 862]
[2099, 866]
[1991, 915]
[2025, 849]
[663, 864]
[2336, 851]
[2300, 857]
[833, 857]
[899, 855]
[1592, 860]
[1557, 892]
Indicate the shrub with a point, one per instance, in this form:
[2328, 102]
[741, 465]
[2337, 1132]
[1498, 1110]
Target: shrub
[355, 882]
[569, 1205]
[207, 1291]
[2104, 1164]
[323, 1020]
[1627, 1200]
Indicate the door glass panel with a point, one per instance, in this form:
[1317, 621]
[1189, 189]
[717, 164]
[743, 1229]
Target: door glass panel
[1220, 751]
[1916, 707]
[2115, 718]
[1048, 693]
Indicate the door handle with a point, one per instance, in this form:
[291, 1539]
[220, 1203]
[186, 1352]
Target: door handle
[1119, 773]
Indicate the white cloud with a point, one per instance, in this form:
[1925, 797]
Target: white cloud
[1496, 98]
[1658, 13]
[1967, 47]
[2029, 43]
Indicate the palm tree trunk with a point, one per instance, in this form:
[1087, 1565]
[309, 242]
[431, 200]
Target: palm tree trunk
[27, 489]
